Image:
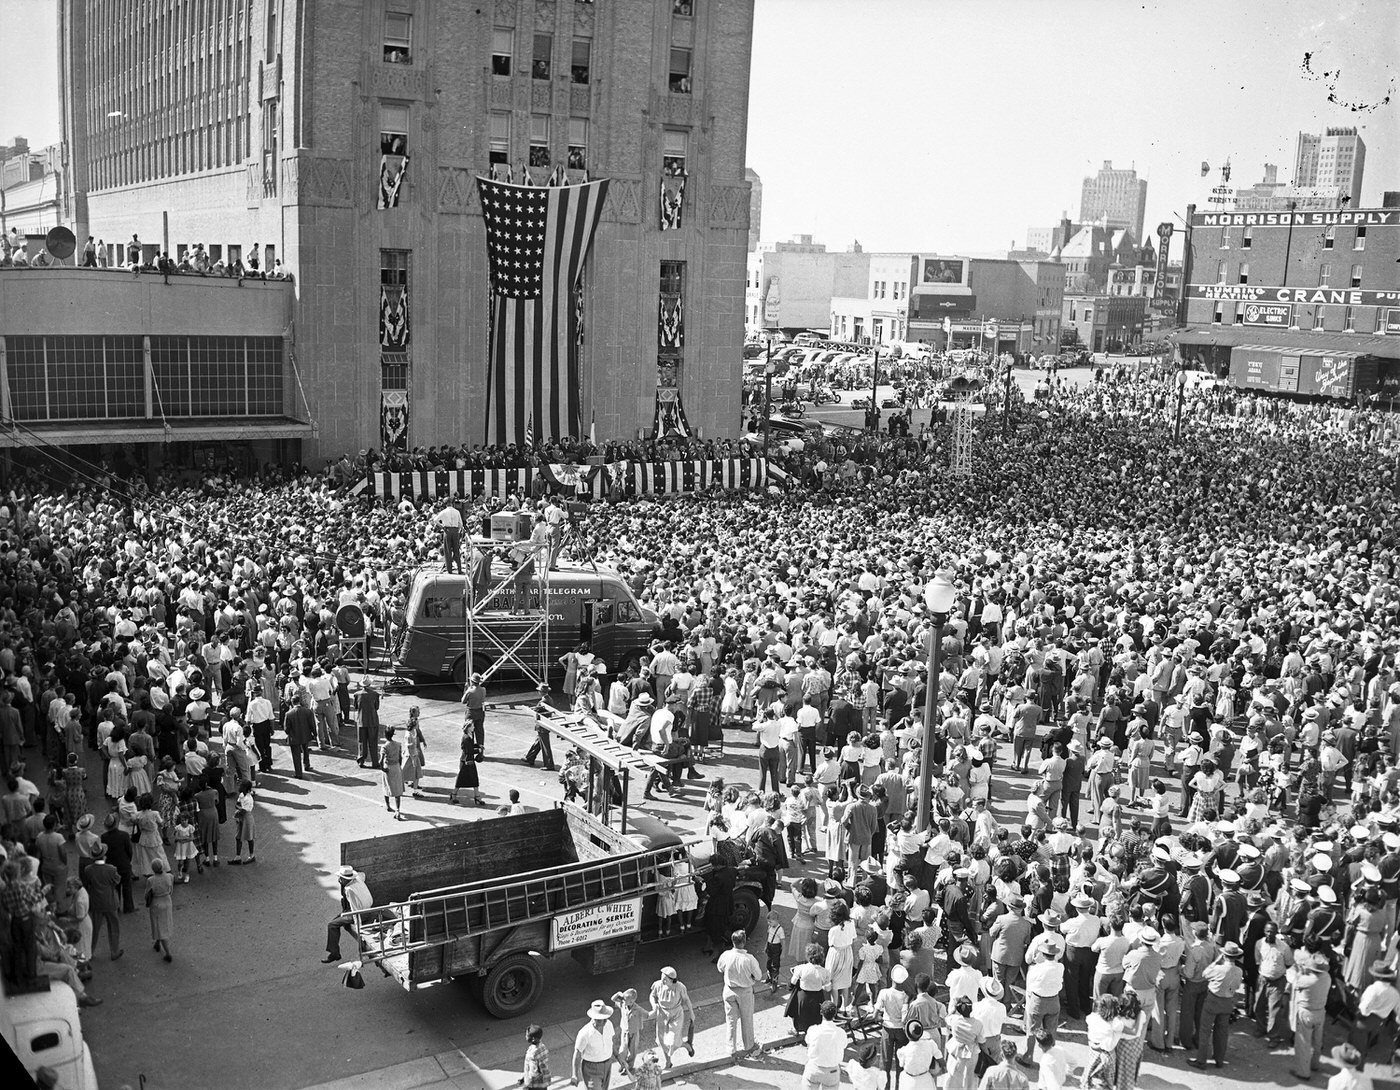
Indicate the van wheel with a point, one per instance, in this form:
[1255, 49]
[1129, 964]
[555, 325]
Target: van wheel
[513, 986]
[459, 671]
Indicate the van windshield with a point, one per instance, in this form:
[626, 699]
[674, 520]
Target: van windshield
[436, 601]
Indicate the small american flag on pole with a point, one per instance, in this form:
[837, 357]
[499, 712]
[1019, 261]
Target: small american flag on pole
[537, 239]
[530, 431]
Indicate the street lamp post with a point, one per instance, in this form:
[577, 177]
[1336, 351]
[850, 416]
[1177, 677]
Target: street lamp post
[1180, 400]
[939, 595]
[874, 414]
[1006, 404]
[767, 395]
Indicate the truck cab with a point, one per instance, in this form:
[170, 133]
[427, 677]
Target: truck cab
[42, 1028]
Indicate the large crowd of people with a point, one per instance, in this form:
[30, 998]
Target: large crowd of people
[1199, 629]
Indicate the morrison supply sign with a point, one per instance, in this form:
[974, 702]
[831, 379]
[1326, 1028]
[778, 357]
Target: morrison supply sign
[1372, 217]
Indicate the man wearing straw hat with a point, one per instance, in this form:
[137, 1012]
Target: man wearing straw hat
[594, 1049]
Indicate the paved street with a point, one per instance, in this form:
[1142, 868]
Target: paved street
[248, 1006]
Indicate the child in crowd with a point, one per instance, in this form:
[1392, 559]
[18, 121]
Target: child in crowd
[535, 1075]
[773, 945]
[185, 851]
[243, 825]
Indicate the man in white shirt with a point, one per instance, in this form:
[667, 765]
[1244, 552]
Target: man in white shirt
[1045, 979]
[594, 1049]
[450, 520]
[260, 722]
[1054, 1063]
[826, 1044]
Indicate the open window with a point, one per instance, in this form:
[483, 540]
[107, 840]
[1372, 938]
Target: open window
[578, 143]
[502, 48]
[680, 71]
[500, 139]
[581, 60]
[539, 140]
[398, 37]
[544, 49]
[393, 129]
[673, 151]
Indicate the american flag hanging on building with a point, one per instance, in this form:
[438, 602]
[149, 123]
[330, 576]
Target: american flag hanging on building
[537, 239]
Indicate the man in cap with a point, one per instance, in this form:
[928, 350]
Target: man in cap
[892, 1005]
[1273, 957]
[1224, 980]
[1309, 982]
[1045, 980]
[1229, 911]
[1195, 889]
[1011, 935]
[595, 1048]
[355, 897]
[1200, 954]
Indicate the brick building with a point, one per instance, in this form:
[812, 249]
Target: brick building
[1272, 298]
[972, 302]
[344, 137]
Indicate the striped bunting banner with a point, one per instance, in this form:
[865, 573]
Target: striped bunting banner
[648, 479]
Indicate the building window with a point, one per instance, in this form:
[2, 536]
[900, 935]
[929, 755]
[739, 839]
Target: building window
[393, 129]
[539, 140]
[581, 60]
[502, 47]
[1215, 320]
[1244, 272]
[1225, 239]
[1248, 240]
[1239, 316]
[1349, 319]
[1356, 276]
[673, 151]
[398, 37]
[1221, 271]
[500, 139]
[578, 143]
[683, 8]
[544, 48]
[1324, 275]
[672, 277]
[1319, 317]
[1360, 243]
[1329, 239]
[680, 71]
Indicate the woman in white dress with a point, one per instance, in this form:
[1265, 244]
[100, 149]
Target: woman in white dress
[916, 1058]
[840, 953]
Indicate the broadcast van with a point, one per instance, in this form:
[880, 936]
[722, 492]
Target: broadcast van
[586, 603]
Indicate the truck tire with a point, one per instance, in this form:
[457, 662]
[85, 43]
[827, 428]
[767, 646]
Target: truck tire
[459, 668]
[746, 910]
[513, 986]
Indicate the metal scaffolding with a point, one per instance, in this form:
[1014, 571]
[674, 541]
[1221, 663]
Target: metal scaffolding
[477, 629]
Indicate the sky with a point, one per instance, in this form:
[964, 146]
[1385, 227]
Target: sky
[953, 125]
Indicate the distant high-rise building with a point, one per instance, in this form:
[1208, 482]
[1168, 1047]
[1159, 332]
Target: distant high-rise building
[1337, 158]
[1119, 197]
[755, 205]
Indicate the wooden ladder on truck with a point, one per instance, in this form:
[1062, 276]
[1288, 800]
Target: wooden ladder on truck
[441, 917]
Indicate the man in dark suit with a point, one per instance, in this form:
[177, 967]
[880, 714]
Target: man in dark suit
[103, 882]
[301, 732]
[119, 854]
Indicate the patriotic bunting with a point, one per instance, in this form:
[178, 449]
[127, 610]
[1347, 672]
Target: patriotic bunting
[670, 416]
[393, 320]
[642, 478]
[670, 324]
[391, 181]
[672, 200]
[537, 239]
[393, 420]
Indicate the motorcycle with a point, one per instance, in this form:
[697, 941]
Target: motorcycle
[824, 395]
[792, 409]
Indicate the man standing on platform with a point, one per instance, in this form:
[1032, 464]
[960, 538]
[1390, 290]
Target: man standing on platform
[450, 520]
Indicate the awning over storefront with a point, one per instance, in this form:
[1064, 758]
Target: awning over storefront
[19, 434]
[1297, 342]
